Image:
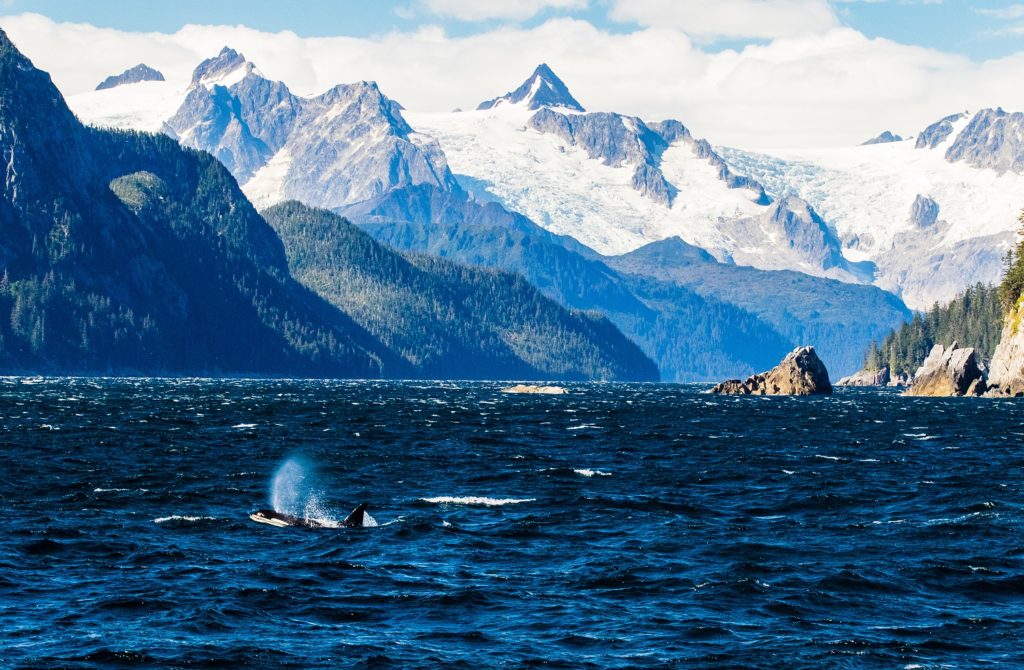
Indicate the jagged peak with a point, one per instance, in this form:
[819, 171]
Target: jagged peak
[543, 88]
[132, 75]
[937, 133]
[224, 69]
[886, 137]
[366, 92]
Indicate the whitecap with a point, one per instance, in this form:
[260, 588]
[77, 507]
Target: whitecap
[828, 458]
[583, 426]
[244, 426]
[177, 517]
[476, 500]
[587, 472]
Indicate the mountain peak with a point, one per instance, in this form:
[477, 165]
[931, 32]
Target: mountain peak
[886, 137]
[542, 89]
[133, 75]
[224, 69]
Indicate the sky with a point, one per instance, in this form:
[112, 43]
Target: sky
[752, 73]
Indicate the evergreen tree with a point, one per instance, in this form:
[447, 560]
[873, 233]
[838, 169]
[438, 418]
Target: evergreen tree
[972, 319]
[1012, 286]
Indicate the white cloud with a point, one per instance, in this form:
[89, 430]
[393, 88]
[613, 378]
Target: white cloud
[481, 10]
[1008, 13]
[837, 87]
[729, 18]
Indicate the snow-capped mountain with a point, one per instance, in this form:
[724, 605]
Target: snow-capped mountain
[616, 183]
[345, 146]
[342, 147]
[934, 214]
[133, 75]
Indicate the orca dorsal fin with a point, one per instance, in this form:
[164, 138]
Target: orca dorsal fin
[355, 519]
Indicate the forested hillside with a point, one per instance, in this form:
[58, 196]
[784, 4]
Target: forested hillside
[124, 253]
[972, 319]
[1012, 287]
[449, 320]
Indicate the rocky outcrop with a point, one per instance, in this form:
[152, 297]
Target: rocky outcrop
[900, 381]
[1006, 371]
[800, 373]
[924, 212]
[535, 390]
[938, 132]
[866, 378]
[949, 372]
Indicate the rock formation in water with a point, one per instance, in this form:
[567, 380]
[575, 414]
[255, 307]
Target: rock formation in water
[866, 378]
[949, 371]
[535, 390]
[800, 373]
[1006, 371]
[900, 381]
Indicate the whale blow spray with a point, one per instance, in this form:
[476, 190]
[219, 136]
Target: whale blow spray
[289, 489]
[293, 491]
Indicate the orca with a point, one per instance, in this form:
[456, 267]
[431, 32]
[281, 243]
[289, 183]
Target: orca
[282, 520]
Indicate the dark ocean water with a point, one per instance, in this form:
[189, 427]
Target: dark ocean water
[655, 526]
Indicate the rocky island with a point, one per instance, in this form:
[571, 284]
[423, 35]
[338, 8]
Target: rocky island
[801, 372]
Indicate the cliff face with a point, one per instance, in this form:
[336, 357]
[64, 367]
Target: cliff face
[1006, 371]
[949, 372]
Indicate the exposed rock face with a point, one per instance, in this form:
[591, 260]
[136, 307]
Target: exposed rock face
[866, 378]
[900, 381]
[993, 139]
[618, 140]
[938, 132]
[949, 372]
[886, 137]
[1006, 371]
[345, 146]
[800, 373]
[140, 72]
[218, 67]
[924, 212]
[542, 89]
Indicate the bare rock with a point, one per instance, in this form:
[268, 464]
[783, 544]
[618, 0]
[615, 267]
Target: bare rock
[900, 381]
[866, 378]
[1006, 371]
[949, 372]
[800, 373]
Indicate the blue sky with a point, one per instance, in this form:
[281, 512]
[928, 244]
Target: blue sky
[980, 30]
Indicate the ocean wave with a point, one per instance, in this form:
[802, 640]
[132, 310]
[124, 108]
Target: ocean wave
[179, 517]
[476, 500]
[587, 472]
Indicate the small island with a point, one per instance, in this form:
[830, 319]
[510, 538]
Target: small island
[801, 372]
